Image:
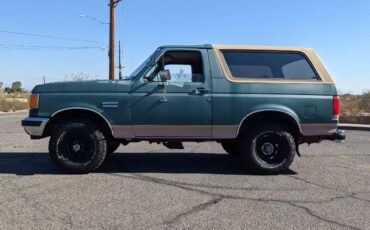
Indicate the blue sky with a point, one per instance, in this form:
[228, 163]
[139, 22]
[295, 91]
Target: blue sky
[338, 30]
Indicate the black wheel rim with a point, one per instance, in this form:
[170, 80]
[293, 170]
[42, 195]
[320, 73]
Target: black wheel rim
[272, 148]
[76, 146]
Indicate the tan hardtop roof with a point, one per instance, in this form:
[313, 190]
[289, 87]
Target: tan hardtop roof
[237, 47]
[255, 47]
[310, 53]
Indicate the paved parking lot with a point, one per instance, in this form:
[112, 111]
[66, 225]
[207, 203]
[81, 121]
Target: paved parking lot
[150, 187]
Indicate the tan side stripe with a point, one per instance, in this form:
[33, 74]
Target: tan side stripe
[227, 132]
[123, 131]
[318, 129]
[193, 131]
[170, 131]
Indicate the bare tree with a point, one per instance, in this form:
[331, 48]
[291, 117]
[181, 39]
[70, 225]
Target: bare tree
[81, 76]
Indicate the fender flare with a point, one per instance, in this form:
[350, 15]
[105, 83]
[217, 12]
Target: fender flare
[86, 109]
[290, 114]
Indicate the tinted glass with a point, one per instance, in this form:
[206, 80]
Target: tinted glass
[269, 65]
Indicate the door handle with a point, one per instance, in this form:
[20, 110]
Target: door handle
[201, 91]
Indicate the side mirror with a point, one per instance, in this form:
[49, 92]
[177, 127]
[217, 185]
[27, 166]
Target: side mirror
[165, 75]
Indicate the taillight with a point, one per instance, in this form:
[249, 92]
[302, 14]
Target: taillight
[336, 107]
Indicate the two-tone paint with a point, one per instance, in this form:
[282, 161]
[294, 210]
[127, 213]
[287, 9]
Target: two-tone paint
[133, 109]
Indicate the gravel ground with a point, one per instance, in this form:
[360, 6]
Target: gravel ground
[147, 186]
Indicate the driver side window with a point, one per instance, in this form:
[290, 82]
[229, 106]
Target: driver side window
[184, 66]
[180, 73]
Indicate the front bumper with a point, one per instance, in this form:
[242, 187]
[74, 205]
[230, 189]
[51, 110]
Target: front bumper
[35, 126]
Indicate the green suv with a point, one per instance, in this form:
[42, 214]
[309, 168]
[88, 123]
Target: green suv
[260, 103]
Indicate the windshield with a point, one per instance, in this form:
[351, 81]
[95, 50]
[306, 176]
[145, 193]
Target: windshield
[142, 66]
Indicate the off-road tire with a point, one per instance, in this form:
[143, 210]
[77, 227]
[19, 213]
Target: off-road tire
[64, 142]
[260, 160]
[232, 148]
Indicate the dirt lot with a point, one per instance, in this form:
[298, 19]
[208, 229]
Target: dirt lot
[149, 187]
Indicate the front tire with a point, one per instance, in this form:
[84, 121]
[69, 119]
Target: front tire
[77, 147]
[268, 148]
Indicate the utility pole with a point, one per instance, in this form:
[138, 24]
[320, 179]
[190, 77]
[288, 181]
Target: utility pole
[112, 6]
[120, 63]
[44, 80]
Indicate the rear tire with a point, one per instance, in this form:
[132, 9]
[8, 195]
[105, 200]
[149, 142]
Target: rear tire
[231, 148]
[268, 148]
[77, 147]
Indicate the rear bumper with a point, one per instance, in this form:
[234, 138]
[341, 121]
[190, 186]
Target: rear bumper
[35, 126]
[336, 135]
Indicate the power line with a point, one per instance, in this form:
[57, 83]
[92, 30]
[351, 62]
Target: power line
[93, 18]
[46, 36]
[37, 47]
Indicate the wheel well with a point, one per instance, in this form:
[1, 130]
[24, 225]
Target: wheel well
[271, 116]
[74, 114]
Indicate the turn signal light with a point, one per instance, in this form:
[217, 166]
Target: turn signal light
[34, 101]
[336, 107]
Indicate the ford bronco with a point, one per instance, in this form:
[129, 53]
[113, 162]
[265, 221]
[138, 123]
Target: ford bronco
[260, 103]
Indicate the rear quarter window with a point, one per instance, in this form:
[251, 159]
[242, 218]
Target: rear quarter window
[269, 65]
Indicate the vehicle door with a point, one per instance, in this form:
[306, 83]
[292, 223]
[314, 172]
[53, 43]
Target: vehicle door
[180, 107]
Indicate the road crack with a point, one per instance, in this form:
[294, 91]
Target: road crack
[208, 204]
[352, 195]
[195, 209]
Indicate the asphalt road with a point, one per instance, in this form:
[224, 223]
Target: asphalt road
[149, 187]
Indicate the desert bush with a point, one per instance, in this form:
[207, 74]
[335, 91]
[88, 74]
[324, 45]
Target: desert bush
[19, 105]
[365, 101]
[355, 105]
[5, 106]
[12, 104]
[350, 104]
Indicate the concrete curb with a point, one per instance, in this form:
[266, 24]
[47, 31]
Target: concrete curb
[354, 127]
